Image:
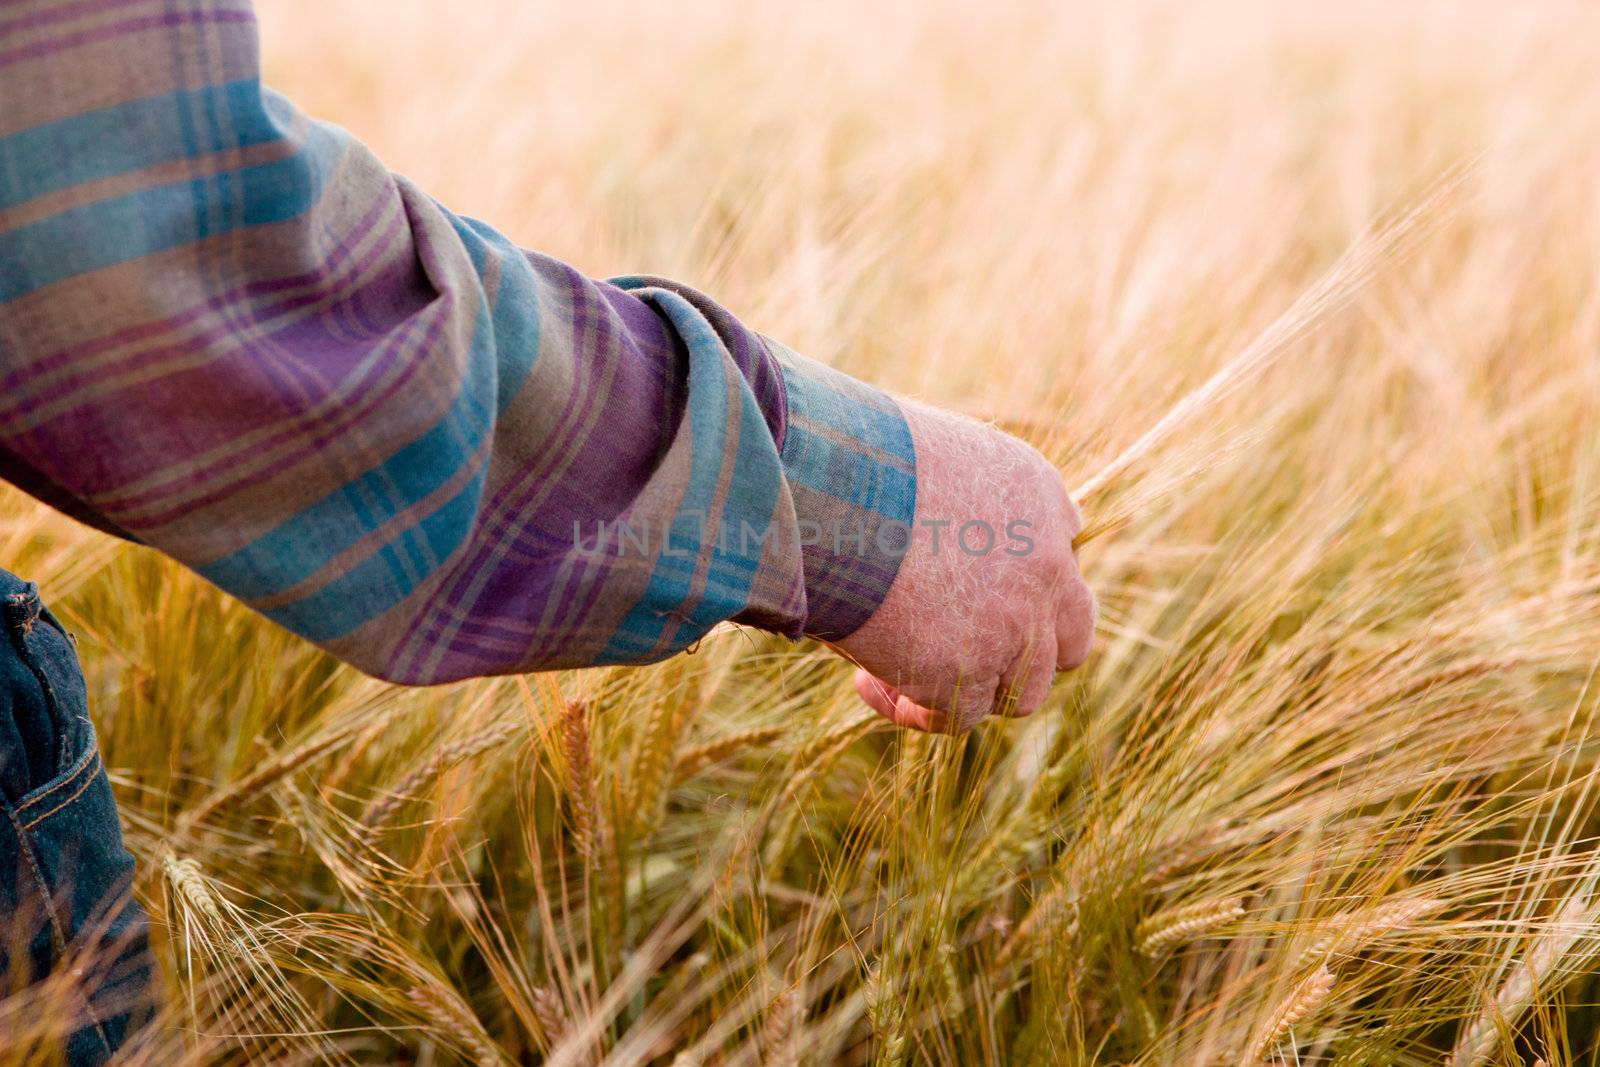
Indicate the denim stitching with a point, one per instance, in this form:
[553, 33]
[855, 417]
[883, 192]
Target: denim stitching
[25, 846]
[65, 780]
[87, 783]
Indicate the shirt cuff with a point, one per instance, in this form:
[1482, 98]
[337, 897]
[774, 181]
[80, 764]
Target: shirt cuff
[849, 460]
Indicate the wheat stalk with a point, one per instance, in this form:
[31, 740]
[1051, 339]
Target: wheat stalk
[1190, 922]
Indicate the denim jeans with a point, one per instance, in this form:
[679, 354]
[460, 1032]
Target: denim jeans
[65, 908]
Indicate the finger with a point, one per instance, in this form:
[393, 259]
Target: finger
[1028, 683]
[895, 706]
[918, 717]
[1075, 521]
[879, 696]
[1075, 614]
[947, 708]
[974, 701]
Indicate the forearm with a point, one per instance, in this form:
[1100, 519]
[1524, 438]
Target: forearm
[231, 333]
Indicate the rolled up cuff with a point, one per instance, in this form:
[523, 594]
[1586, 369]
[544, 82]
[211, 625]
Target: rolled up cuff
[848, 457]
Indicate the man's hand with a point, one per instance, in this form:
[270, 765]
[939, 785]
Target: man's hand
[988, 604]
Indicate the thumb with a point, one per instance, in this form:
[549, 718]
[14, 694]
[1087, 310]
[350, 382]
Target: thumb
[895, 706]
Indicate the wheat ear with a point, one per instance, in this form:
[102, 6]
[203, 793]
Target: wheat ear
[267, 774]
[1054, 912]
[380, 811]
[1353, 931]
[1573, 925]
[887, 1018]
[186, 879]
[1175, 926]
[780, 1040]
[699, 757]
[1299, 1006]
[551, 1013]
[454, 1018]
[816, 760]
[580, 784]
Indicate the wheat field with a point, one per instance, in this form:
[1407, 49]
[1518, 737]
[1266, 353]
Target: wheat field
[1325, 793]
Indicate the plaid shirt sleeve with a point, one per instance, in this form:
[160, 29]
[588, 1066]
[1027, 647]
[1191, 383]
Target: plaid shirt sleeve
[229, 332]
